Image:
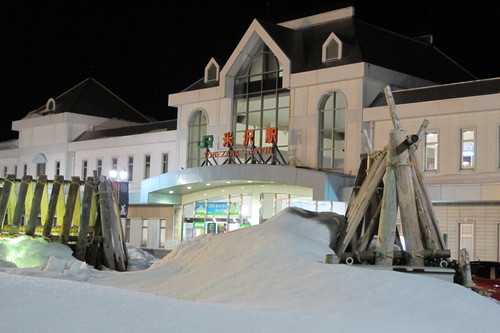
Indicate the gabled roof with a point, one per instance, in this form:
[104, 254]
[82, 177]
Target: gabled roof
[93, 99]
[362, 42]
[158, 126]
[447, 91]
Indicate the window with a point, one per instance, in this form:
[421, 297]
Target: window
[15, 170]
[260, 101]
[431, 151]
[114, 163]
[163, 232]
[164, 163]
[58, 168]
[147, 166]
[40, 169]
[127, 230]
[212, 71]
[25, 169]
[466, 238]
[467, 156]
[4, 171]
[332, 131]
[332, 48]
[84, 169]
[197, 129]
[144, 237]
[99, 168]
[130, 168]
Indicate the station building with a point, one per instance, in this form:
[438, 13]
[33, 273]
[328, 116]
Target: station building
[279, 124]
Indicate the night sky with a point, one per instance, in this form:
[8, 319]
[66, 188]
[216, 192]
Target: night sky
[144, 52]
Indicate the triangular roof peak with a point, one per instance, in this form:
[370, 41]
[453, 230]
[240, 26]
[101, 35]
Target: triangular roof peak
[305, 22]
[253, 35]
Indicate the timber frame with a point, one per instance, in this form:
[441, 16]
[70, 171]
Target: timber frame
[389, 181]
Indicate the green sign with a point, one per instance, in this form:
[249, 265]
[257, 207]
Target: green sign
[199, 225]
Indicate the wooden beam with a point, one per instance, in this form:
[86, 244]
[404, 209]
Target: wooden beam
[82, 241]
[54, 194]
[361, 202]
[4, 200]
[35, 205]
[73, 190]
[20, 205]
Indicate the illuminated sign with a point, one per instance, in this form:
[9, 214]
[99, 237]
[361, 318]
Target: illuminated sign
[248, 140]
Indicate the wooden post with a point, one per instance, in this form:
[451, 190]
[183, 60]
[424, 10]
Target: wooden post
[82, 242]
[116, 231]
[19, 210]
[105, 217]
[406, 202]
[4, 200]
[49, 219]
[35, 206]
[74, 188]
[388, 216]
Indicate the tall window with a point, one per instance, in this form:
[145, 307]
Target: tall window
[25, 169]
[127, 230]
[4, 171]
[99, 167]
[466, 238]
[431, 151]
[332, 131]
[147, 166]
[197, 129]
[40, 169]
[144, 237]
[163, 232]
[260, 100]
[114, 163]
[164, 163]
[58, 168]
[84, 169]
[467, 156]
[130, 168]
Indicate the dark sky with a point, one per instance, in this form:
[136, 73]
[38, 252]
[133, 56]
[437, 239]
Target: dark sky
[143, 52]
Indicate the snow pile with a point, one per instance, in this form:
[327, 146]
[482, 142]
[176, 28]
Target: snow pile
[266, 278]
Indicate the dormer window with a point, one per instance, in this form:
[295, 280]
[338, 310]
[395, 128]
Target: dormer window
[332, 49]
[50, 107]
[212, 71]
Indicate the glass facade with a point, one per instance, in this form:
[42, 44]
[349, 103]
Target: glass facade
[260, 102]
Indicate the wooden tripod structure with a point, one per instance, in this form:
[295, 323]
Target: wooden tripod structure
[389, 181]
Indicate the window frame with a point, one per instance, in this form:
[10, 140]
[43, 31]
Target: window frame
[425, 152]
[462, 148]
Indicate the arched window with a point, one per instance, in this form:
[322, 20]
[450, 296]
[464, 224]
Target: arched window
[260, 100]
[197, 129]
[332, 131]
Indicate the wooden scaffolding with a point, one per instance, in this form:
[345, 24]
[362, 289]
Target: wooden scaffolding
[81, 214]
[388, 182]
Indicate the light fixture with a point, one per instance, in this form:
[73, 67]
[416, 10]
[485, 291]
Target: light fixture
[170, 191]
[123, 175]
[113, 174]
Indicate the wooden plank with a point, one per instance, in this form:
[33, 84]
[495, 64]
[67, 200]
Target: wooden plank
[392, 107]
[388, 216]
[35, 205]
[74, 188]
[20, 205]
[105, 218]
[4, 200]
[116, 231]
[54, 194]
[361, 202]
[370, 231]
[82, 241]
[406, 200]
